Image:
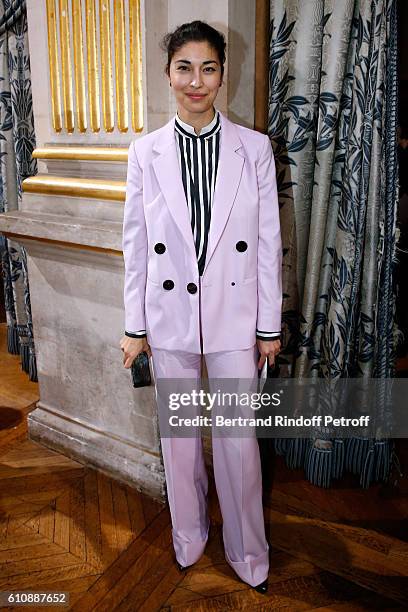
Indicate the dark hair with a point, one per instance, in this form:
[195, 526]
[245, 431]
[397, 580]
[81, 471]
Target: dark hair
[198, 31]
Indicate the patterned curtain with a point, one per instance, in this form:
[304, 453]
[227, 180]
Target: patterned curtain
[17, 142]
[332, 122]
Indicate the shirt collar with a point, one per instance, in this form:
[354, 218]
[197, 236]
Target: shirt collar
[190, 129]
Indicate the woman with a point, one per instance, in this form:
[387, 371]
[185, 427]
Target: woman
[202, 251]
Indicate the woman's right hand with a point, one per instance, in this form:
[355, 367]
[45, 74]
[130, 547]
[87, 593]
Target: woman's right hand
[132, 347]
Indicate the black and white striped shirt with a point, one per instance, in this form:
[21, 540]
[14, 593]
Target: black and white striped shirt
[198, 156]
[198, 159]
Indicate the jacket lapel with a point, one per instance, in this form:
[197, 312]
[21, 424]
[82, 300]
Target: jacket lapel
[230, 165]
[167, 170]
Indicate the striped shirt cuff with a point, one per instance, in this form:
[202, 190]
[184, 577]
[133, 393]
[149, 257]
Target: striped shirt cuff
[139, 334]
[265, 335]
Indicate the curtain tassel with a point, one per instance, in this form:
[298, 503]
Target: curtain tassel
[281, 445]
[382, 455]
[338, 459]
[367, 472]
[13, 342]
[318, 466]
[295, 452]
[25, 357]
[356, 454]
[396, 461]
[32, 366]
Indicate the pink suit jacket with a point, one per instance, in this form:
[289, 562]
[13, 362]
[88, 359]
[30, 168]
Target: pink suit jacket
[239, 291]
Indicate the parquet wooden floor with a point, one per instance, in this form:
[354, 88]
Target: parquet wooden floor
[66, 527]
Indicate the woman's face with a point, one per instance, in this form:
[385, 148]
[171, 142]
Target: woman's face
[195, 76]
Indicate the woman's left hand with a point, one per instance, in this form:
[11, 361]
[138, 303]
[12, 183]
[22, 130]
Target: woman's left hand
[268, 349]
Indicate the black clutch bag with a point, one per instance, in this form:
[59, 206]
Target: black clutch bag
[141, 371]
[269, 371]
[273, 371]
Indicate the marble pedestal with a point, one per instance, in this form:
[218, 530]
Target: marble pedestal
[88, 408]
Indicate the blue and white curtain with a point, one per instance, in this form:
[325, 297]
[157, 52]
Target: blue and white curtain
[332, 123]
[17, 141]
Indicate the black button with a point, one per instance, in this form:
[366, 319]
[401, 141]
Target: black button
[159, 248]
[241, 246]
[192, 288]
[168, 284]
[232, 284]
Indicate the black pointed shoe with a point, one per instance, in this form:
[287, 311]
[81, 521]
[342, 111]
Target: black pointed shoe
[183, 568]
[262, 587]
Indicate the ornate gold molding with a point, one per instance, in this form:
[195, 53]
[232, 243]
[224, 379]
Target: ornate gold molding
[135, 43]
[109, 154]
[54, 70]
[73, 245]
[92, 62]
[95, 62]
[106, 65]
[66, 68]
[75, 187]
[119, 27]
[79, 71]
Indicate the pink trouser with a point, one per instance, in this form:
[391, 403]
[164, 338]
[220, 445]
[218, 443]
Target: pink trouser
[237, 472]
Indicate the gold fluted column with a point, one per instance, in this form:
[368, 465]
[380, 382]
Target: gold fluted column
[106, 65]
[95, 64]
[79, 65]
[136, 67]
[119, 27]
[53, 62]
[92, 64]
[66, 65]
